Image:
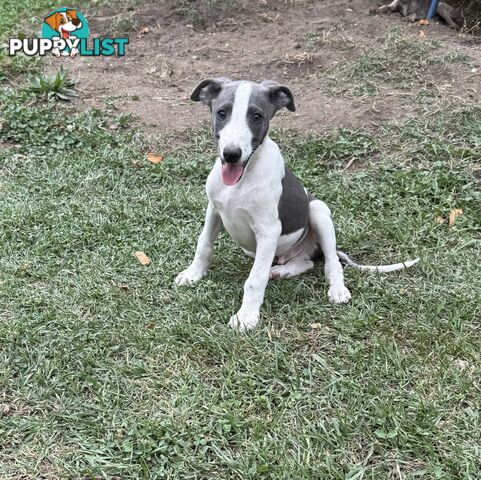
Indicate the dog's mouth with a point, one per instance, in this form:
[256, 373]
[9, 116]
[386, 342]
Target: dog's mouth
[65, 34]
[232, 172]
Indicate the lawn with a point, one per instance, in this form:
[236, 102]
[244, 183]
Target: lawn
[107, 370]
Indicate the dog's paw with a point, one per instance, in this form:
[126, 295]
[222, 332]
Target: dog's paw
[278, 272]
[243, 322]
[190, 276]
[338, 294]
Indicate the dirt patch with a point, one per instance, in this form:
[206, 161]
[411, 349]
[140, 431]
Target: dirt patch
[305, 46]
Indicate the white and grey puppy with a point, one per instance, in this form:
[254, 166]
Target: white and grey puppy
[262, 205]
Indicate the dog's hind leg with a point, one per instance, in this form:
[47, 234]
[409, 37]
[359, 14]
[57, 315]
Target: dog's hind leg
[321, 222]
[293, 268]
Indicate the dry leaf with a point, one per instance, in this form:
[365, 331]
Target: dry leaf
[144, 31]
[316, 326]
[440, 219]
[142, 258]
[423, 22]
[422, 33]
[154, 158]
[455, 212]
[269, 334]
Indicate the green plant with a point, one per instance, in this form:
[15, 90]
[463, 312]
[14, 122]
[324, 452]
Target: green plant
[58, 87]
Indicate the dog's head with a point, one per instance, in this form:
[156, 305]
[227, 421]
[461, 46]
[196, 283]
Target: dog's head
[241, 112]
[64, 22]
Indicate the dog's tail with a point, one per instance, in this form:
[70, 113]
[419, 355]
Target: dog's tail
[345, 258]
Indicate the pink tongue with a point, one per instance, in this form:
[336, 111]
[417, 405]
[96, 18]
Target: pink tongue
[231, 174]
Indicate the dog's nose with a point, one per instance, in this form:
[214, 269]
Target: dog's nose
[232, 154]
[76, 21]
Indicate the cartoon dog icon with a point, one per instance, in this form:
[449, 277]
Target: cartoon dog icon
[64, 23]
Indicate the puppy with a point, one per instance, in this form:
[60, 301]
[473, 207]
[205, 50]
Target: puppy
[260, 202]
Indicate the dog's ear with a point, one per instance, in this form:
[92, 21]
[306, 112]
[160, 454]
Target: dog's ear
[53, 21]
[208, 90]
[72, 13]
[279, 95]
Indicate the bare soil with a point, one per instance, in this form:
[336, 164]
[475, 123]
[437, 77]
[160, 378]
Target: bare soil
[302, 45]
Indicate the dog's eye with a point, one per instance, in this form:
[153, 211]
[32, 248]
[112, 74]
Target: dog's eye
[257, 117]
[62, 20]
[221, 114]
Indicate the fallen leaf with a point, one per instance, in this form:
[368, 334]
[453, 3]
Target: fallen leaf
[422, 33]
[154, 158]
[150, 326]
[144, 31]
[453, 214]
[142, 258]
[423, 22]
[315, 325]
[269, 334]
[440, 219]
[123, 286]
[5, 408]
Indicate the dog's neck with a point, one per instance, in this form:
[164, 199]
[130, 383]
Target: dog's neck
[258, 153]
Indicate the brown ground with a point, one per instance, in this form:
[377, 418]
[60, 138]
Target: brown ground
[298, 44]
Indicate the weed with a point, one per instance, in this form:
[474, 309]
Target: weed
[56, 87]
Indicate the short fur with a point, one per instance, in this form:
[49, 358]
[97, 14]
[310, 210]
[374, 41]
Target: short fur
[265, 210]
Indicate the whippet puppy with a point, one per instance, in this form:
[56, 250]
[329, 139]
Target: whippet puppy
[257, 199]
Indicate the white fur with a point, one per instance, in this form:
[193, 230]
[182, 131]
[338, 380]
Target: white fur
[237, 133]
[249, 212]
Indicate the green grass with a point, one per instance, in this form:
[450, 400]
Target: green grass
[108, 369]
[402, 62]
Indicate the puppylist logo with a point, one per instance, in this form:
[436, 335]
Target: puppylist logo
[65, 32]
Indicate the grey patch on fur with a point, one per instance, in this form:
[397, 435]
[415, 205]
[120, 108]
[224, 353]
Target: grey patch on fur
[293, 205]
[266, 99]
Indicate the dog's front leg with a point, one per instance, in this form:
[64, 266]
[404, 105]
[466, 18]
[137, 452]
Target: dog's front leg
[198, 268]
[248, 315]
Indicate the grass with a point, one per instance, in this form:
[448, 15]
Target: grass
[109, 370]
[403, 62]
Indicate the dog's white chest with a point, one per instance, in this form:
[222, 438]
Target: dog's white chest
[247, 207]
[238, 219]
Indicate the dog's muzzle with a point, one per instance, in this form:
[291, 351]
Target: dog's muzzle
[232, 171]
